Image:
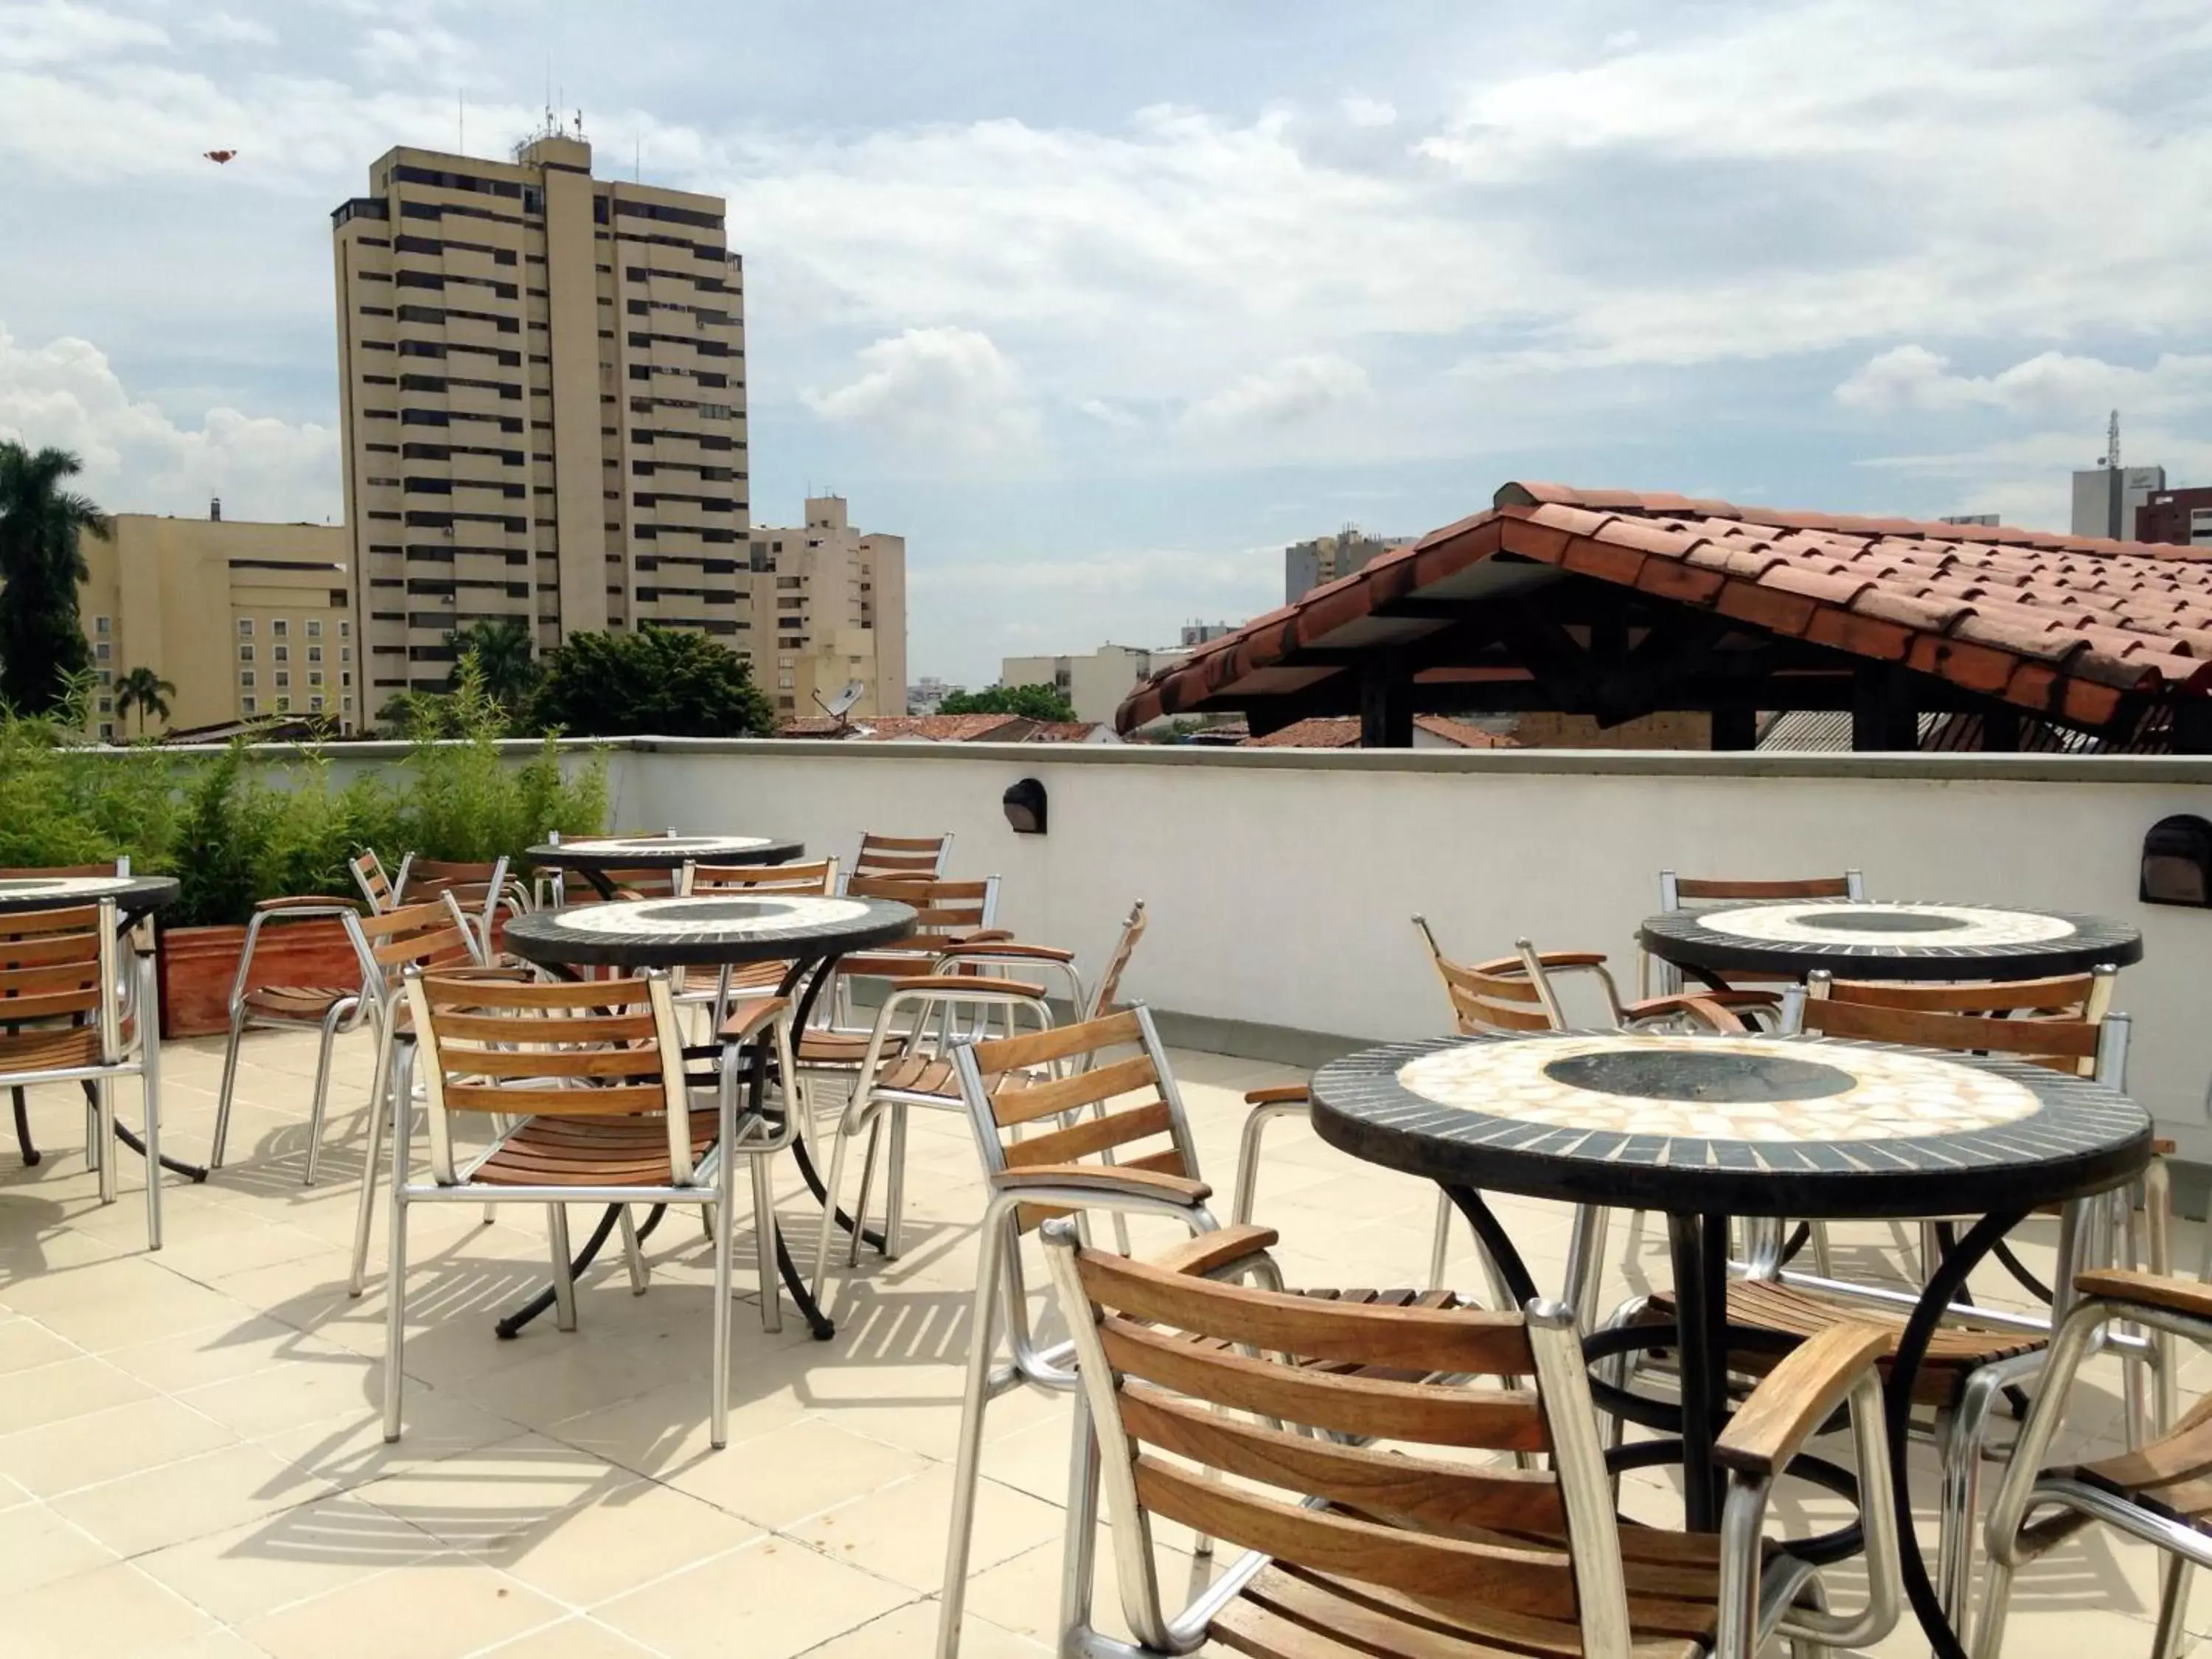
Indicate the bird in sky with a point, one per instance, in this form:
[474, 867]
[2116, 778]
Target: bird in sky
[218, 156]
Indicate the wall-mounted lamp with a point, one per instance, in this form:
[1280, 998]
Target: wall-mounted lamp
[1025, 804]
[2177, 862]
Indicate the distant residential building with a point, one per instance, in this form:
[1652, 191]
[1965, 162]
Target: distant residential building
[829, 611]
[1990, 519]
[1198, 633]
[541, 388]
[246, 620]
[923, 696]
[1094, 685]
[2183, 516]
[1309, 565]
[2105, 499]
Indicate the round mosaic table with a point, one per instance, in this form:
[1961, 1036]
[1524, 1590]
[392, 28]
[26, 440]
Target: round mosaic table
[1707, 1128]
[592, 856]
[1880, 938]
[135, 897]
[712, 931]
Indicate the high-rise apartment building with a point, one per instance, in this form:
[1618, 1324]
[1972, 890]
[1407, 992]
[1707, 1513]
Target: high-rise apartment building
[1309, 565]
[828, 611]
[2105, 499]
[542, 380]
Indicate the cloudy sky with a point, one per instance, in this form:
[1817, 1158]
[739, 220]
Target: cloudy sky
[1101, 305]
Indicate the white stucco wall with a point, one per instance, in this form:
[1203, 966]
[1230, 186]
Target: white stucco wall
[1280, 884]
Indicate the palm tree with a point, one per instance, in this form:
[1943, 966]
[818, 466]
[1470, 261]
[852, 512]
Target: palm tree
[42, 647]
[505, 658]
[144, 689]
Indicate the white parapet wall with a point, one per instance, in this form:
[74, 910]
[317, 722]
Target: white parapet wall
[1280, 883]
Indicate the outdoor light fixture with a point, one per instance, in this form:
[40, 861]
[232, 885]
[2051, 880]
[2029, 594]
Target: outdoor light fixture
[1025, 804]
[2177, 861]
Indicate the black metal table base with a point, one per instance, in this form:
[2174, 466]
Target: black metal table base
[33, 1157]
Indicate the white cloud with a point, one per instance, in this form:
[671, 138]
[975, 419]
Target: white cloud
[939, 388]
[137, 459]
[1362, 111]
[1913, 377]
[419, 52]
[226, 28]
[55, 32]
[1294, 390]
[1107, 413]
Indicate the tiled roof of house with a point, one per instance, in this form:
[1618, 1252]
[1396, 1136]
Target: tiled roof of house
[1342, 732]
[2065, 626]
[924, 728]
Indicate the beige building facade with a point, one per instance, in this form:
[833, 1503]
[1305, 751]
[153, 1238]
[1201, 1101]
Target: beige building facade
[1094, 684]
[245, 620]
[543, 393]
[828, 611]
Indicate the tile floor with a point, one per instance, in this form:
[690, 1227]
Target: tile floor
[190, 1464]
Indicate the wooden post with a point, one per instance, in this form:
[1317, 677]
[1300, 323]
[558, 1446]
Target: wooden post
[2001, 732]
[1882, 715]
[1386, 702]
[1735, 728]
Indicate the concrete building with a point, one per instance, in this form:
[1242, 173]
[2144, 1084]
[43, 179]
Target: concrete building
[1095, 684]
[246, 620]
[1309, 565]
[542, 390]
[925, 693]
[1198, 633]
[2105, 499]
[828, 611]
[2183, 516]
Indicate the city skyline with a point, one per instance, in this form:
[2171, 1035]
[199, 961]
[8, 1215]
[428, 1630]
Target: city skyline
[1103, 326]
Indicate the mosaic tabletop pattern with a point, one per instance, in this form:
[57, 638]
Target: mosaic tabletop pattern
[1748, 1126]
[712, 929]
[1879, 939]
[134, 894]
[662, 851]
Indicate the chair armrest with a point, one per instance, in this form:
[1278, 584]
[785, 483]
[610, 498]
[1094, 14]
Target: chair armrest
[964, 986]
[985, 936]
[1557, 959]
[743, 1022]
[2167, 1292]
[1103, 1178]
[1707, 1010]
[1209, 1252]
[1005, 949]
[1279, 1094]
[524, 975]
[1797, 1397]
[325, 903]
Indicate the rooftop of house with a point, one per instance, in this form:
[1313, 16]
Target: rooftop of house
[1342, 732]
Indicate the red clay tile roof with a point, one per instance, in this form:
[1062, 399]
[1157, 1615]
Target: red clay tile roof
[2064, 625]
[1342, 732]
[932, 728]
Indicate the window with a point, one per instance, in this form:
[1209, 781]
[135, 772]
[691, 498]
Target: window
[276, 629]
[245, 679]
[314, 627]
[284, 679]
[99, 626]
[107, 677]
[346, 654]
[345, 678]
[280, 653]
[283, 705]
[246, 654]
[315, 705]
[314, 677]
[314, 654]
[107, 707]
[345, 629]
[246, 705]
[102, 652]
[107, 730]
[246, 628]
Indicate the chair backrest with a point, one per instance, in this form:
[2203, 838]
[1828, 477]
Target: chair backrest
[919, 856]
[2065, 1022]
[1106, 994]
[1508, 993]
[1691, 892]
[378, 886]
[944, 911]
[602, 1049]
[1478, 1538]
[120, 866]
[435, 934]
[57, 968]
[1148, 1132]
[816, 876]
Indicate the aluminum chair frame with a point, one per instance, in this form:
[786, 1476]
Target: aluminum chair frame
[1757, 1601]
[1000, 1298]
[709, 1181]
[381, 890]
[129, 1045]
[2026, 1486]
[503, 891]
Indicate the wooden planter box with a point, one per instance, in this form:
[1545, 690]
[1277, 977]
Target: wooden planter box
[198, 964]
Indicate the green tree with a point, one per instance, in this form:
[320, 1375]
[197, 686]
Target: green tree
[42, 639]
[1035, 703]
[657, 682]
[505, 656]
[147, 692]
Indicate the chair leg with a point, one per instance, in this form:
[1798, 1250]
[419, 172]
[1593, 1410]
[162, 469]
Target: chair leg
[967, 1465]
[1586, 1263]
[633, 1255]
[1823, 1261]
[867, 1180]
[23, 1144]
[1961, 1453]
[564, 1278]
[322, 1095]
[395, 1269]
[726, 1204]
[1996, 1602]
[771, 1287]
[92, 1149]
[2173, 1608]
[1439, 1241]
[895, 1181]
[2157, 1238]
[381, 1089]
[149, 1092]
[834, 1190]
[229, 1087]
[104, 1089]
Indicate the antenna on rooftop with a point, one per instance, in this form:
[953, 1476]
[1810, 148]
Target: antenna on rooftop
[842, 705]
[2112, 441]
[2115, 491]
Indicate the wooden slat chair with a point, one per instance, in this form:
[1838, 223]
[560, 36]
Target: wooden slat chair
[968, 991]
[65, 1017]
[812, 878]
[1422, 1552]
[482, 890]
[593, 1076]
[24, 1143]
[555, 888]
[916, 857]
[1976, 1353]
[2158, 1494]
[378, 887]
[1677, 892]
[1090, 1106]
[1508, 994]
[946, 913]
